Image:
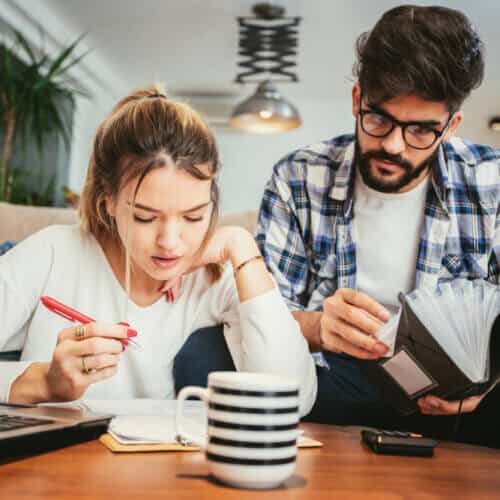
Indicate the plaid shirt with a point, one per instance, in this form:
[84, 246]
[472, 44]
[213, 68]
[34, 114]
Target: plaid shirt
[305, 222]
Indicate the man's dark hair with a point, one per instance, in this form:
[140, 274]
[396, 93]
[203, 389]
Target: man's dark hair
[432, 52]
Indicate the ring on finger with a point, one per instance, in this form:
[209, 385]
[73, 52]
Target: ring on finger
[85, 369]
[80, 332]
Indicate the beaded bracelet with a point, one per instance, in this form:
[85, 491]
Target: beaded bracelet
[245, 262]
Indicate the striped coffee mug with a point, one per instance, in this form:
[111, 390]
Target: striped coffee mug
[252, 427]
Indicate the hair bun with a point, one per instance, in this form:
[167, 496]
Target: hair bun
[157, 94]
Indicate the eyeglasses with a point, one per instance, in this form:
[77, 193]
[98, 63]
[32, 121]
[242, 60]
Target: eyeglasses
[417, 135]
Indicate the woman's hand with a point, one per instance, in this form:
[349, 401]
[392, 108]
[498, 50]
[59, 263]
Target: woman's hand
[237, 245]
[232, 243]
[78, 363]
[432, 405]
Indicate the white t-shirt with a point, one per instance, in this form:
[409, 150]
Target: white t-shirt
[63, 263]
[387, 229]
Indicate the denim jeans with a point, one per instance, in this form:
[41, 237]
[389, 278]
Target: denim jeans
[345, 395]
[204, 351]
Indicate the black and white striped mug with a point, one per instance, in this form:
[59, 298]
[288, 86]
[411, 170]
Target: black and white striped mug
[252, 427]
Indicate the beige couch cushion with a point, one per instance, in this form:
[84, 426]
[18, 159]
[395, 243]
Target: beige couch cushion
[19, 221]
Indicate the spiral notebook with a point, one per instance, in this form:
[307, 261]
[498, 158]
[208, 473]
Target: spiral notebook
[148, 425]
[146, 433]
[444, 342]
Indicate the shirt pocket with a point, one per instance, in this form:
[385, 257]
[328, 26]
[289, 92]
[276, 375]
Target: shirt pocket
[323, 282]
[325, 267]
[469, 265]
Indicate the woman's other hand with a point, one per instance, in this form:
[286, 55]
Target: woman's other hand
[432, 405]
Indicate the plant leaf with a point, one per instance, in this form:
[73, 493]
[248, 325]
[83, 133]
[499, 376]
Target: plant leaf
[57, 63]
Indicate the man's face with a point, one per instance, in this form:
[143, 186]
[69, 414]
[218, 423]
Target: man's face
[389, 164]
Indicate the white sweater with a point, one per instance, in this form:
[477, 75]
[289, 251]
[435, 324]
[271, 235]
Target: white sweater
[63, 263]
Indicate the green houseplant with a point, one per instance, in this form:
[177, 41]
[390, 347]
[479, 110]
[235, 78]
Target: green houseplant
[32, 85]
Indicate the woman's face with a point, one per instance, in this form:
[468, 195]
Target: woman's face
[168, 222]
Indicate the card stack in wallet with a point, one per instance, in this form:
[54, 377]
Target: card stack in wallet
[447, 343]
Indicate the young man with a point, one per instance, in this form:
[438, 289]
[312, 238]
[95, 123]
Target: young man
[347, 224]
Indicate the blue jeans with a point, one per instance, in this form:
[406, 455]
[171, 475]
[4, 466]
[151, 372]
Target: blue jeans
[204, 351]
[345, 395]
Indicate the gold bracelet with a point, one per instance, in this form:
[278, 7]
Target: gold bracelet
[245, 262]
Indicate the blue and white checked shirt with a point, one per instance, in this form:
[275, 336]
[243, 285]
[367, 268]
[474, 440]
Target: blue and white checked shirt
[305, 222]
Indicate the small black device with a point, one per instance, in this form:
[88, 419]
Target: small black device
[398, 443]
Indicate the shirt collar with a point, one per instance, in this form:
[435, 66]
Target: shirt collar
[451, 154]
[344, 176]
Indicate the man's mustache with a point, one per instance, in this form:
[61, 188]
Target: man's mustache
[382, 155]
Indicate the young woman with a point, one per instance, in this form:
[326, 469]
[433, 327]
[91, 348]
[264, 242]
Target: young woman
[148, 216]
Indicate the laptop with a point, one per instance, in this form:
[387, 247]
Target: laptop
[30, 429]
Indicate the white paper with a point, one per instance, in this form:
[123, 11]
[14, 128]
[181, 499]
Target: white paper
[388, 333]
[148, 429]
[149, 421]
[155, 407]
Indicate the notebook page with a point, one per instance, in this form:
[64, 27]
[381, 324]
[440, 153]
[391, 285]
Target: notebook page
[154, 407]
[151, 429]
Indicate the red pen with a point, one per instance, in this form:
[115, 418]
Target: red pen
[67, 312]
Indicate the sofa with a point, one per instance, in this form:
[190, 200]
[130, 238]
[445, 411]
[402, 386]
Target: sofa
[19, 221]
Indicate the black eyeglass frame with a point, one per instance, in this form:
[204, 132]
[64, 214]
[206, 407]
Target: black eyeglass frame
[404, 125]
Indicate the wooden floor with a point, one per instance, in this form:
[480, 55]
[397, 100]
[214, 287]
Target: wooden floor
[342, 469]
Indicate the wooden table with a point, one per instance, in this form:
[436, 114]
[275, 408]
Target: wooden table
[343, 468]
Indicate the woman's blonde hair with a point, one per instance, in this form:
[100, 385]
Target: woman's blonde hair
[144, 131]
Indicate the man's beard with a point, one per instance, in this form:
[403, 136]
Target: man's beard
[378, 182]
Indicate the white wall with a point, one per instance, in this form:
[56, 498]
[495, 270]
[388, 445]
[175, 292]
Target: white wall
[248, 159]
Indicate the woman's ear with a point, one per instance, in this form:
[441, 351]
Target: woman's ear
[110, 206]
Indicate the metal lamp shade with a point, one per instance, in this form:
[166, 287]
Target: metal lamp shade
[265, 112]
[495, 124]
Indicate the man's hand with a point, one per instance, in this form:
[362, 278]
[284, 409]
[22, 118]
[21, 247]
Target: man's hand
[350, 322]
[432, 405]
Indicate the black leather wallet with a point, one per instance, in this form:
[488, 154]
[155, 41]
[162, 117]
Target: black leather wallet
[445, 379]
[398, 443]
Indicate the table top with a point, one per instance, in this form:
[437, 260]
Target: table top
[342, 468]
